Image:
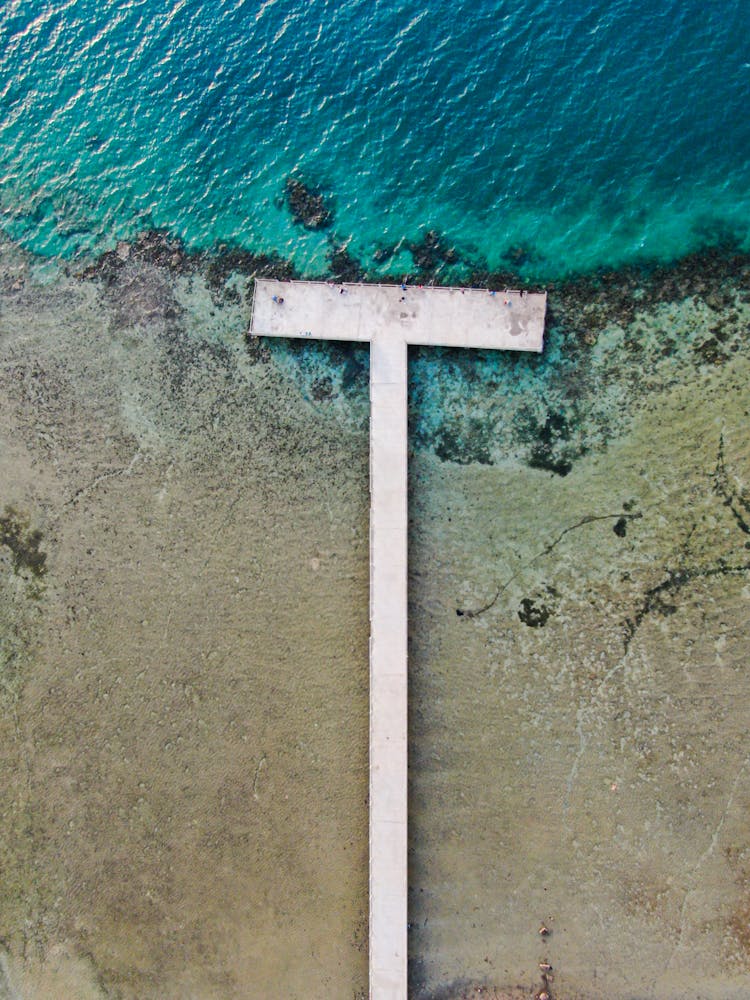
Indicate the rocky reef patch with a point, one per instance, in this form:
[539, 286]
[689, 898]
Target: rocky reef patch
[611, 336]
[23, 542]
[307, 205]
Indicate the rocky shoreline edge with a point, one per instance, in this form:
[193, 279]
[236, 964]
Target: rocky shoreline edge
[611, 336]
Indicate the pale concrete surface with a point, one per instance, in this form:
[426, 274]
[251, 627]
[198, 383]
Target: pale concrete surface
[441, 317]
[388, 667]
[391, 317]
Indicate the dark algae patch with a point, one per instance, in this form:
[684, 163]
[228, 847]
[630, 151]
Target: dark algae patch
[463, 442]
[431, 254]
[307, 205]
[152, 246]
[226, 261]
[548, 452]
[532, 614]
[322, 389]
[343, 266]
[536, 611]
[23, 542]
[160, 250]
[620, 527]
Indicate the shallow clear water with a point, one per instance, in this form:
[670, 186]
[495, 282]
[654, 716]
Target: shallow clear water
[185, 677]
[581, 134]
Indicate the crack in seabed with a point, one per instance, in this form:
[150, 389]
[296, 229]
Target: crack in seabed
[124, 470]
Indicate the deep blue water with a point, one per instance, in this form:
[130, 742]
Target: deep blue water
[583, 132]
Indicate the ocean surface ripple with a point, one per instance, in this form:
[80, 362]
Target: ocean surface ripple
[557, 135]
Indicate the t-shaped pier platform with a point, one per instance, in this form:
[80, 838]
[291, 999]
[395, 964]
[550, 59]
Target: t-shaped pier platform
[391, 317]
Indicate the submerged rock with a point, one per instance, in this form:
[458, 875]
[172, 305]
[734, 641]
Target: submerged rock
[343, 266]
[383, 254]
[431, 252]
[551, 450]
[152, 246]
[535, 611]
[23, 542]
[307, 206]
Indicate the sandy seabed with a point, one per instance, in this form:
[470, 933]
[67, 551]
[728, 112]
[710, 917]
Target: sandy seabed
[184, 776]
[183, 655]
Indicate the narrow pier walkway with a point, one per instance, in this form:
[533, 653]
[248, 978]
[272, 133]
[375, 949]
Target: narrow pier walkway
[391, 317]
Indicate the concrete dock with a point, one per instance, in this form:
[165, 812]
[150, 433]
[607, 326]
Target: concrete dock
[391, 317]
[440, 317]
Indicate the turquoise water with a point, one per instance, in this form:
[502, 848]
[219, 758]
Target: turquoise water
[580, 132]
